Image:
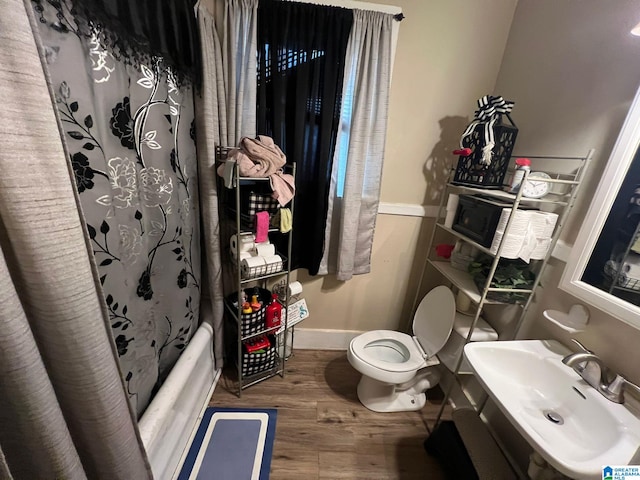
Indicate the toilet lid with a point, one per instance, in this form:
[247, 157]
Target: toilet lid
[433, 320]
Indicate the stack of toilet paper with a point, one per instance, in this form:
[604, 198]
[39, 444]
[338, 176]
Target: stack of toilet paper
[256, 259]
[529, 235]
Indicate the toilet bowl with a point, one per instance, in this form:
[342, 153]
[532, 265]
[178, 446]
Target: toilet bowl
[398, 368]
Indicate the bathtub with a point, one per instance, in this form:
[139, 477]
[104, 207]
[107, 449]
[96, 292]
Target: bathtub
[167, 425]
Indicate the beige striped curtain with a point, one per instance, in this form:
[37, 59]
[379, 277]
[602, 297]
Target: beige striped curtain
[63, 408]
[359, 153]
[225, 113]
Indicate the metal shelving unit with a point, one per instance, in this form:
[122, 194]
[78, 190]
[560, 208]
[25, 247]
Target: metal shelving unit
[231, 223]
[565, 183]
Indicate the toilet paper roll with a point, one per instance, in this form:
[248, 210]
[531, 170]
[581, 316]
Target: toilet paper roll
[295, 288]
[448, 219]
[265, 249]
[273, 263]
[452, 202]
[242, 243]
[243, 255]
[463, 302]
[452, 207]
[253, 267]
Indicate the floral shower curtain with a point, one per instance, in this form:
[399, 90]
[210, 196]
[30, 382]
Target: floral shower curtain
[131, 140]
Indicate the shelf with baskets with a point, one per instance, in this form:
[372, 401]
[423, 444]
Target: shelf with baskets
[254, 347]
[487, 222]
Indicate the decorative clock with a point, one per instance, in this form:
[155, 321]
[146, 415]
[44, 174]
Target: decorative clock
[536, 186]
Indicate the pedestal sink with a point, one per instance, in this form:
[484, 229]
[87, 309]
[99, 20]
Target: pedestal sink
[568, 422]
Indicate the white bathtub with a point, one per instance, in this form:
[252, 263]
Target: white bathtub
[168, 423]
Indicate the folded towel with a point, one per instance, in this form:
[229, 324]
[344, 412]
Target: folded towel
[262, 227]
[286, 220]
[283, 186]
[261, 157]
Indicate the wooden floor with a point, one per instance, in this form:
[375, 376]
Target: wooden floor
[324, 432]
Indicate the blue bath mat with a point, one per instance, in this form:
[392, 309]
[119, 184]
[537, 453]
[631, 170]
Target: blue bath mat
[231, 444]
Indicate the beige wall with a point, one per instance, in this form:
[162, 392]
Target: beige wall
[440, 70]
[573, 69]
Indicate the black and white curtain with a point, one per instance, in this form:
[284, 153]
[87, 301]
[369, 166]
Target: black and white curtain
[301, 60]
[123, 74]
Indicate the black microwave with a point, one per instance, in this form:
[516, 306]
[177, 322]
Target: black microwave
[477, 217]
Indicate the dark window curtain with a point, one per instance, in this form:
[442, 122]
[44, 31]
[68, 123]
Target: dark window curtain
[301, 57]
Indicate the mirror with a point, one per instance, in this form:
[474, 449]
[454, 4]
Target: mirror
[604, 266]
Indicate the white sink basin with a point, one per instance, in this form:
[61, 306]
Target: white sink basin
[534, 389]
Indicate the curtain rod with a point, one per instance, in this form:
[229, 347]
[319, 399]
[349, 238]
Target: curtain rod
[399, 16]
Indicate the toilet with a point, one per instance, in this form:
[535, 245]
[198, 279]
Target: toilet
[397, 368]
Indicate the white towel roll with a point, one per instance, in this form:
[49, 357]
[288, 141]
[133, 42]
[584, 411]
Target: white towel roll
[543, 223]
[511, 247]
[519, 224]
[242, 243]
[265, 249]
[253, 267]
[541, 248]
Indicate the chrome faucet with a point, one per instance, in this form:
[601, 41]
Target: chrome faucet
[590, 367]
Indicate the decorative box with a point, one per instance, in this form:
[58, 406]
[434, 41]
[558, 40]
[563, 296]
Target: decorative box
[472, 171]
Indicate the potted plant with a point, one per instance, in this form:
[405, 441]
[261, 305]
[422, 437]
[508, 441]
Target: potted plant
[509, 274]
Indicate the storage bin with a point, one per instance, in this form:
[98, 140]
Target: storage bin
[261, 360]
[472, 172]
[254, 322]
[252, 202]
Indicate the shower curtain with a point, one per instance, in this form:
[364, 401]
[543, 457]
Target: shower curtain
[64, 412]
[130, 137]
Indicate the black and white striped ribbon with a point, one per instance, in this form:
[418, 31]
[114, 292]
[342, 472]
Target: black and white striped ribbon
[489, 110]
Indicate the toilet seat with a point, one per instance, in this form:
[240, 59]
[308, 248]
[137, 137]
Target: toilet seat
[389, 361]
[369, 347]
[397, 352]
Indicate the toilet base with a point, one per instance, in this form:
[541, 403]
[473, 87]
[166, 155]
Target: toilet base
[382, 397]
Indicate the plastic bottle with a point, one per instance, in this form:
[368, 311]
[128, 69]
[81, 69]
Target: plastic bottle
[522, 165]
[246, 308]
[273, 315]
[255, 304]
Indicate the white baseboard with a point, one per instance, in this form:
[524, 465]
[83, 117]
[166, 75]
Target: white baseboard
[408, 209]
[323, 339]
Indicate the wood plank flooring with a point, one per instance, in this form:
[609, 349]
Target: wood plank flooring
[324, 432]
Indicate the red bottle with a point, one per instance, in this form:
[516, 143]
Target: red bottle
[273, 313]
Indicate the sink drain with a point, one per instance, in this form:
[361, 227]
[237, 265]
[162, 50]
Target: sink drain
[553, 417]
